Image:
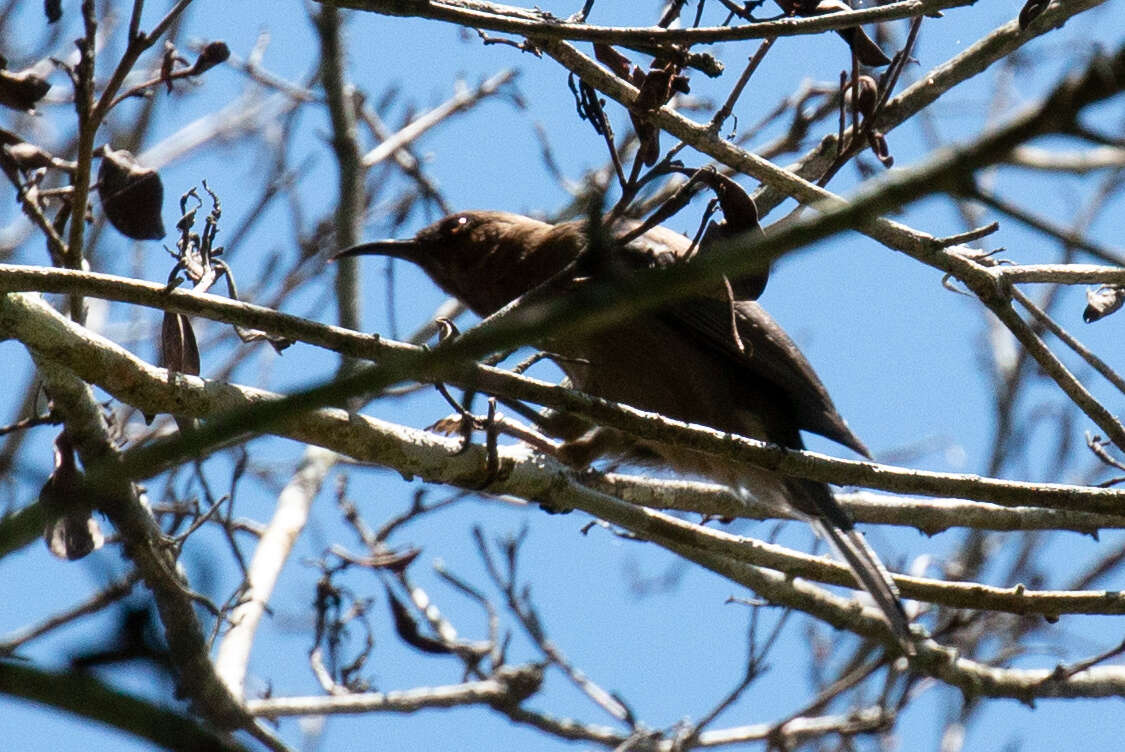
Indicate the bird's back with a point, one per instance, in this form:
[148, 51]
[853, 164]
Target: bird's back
[693, 340]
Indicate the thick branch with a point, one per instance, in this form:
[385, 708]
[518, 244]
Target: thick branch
[144, 544]
[521, 474]
[89, 698]
[539, 25]
[137, 383]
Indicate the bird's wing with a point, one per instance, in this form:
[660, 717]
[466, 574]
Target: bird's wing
[767, 355]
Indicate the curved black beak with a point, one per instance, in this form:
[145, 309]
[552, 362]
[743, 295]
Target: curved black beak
[402, 249]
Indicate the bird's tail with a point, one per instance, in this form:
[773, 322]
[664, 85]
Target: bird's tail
[816, 504]
[850, 546]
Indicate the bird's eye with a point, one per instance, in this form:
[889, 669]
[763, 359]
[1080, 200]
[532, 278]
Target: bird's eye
[456, 224]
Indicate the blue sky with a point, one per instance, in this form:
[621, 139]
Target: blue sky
[900, 354]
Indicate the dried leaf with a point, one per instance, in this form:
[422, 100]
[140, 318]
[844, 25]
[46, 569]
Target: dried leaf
[71, 533]
[277, 342]
[214, 53]
[868, 95]
[656, 89]
[879, 145]
[28, 156]
[865, 49]
[131, 195]
[22, 90]
[399, 562]
[1031, 10]
[178, 348]
[168, 64]
[616, 62]
[407, 629]
[1102, 301]
[740, 216]
[648, 137]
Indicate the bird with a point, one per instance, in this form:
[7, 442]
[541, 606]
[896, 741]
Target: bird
[707, 359]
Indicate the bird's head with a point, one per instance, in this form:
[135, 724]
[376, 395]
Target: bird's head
[486, 259]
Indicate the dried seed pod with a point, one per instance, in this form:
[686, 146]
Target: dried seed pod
[131, 195]
[22, 90]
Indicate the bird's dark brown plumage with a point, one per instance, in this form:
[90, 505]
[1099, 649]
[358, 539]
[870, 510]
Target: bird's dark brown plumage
[681, 360]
